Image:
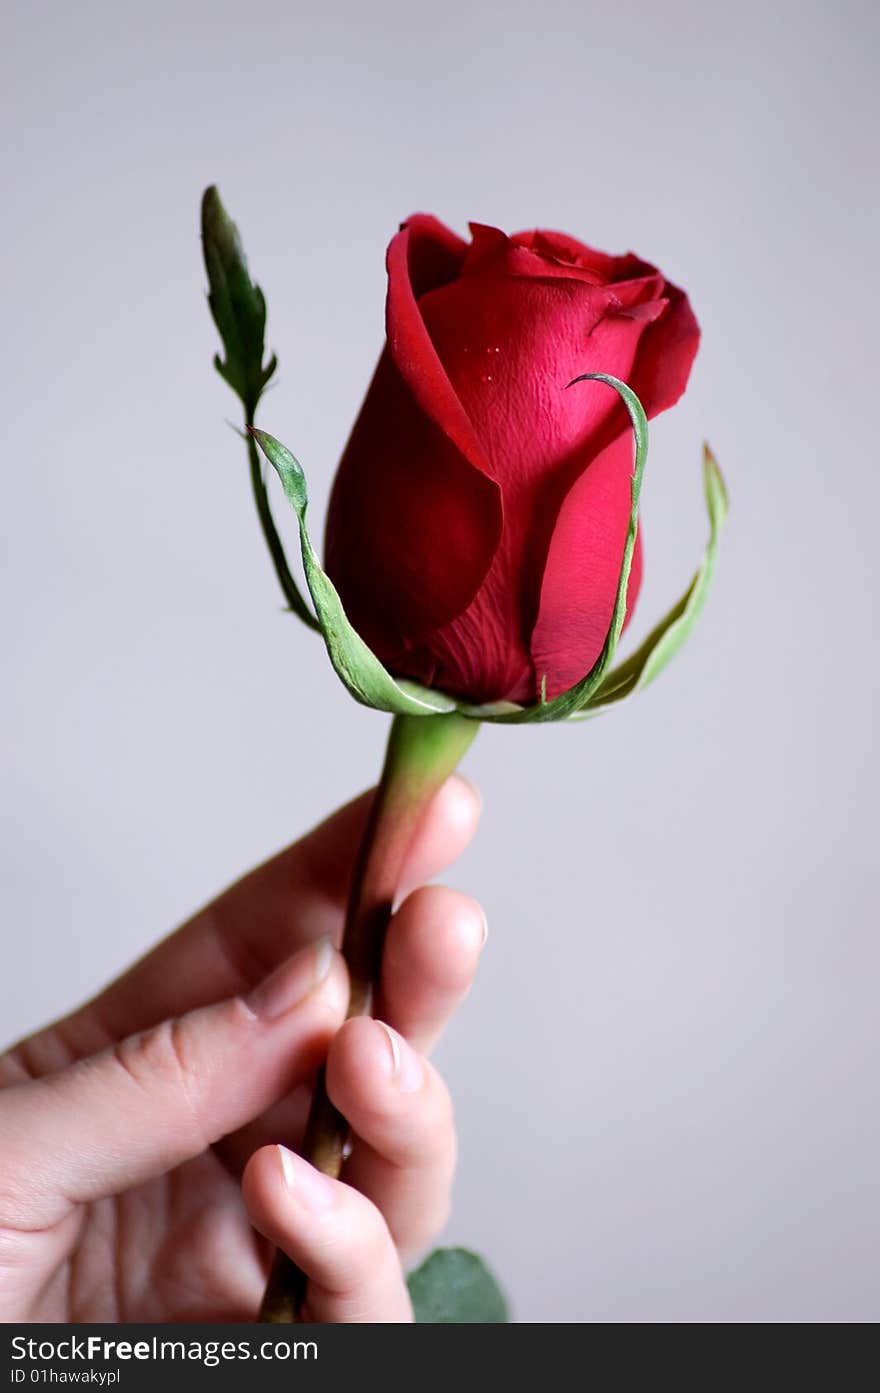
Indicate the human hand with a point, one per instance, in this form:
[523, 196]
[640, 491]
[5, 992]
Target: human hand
[137, 1135]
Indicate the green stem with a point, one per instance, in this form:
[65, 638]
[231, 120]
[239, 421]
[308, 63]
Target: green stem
[273, 541]
[422, 752]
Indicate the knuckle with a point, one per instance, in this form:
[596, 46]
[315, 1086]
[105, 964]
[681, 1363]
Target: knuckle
[23, 1193]
[163, 1059]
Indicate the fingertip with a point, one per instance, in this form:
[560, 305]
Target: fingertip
[262, 1172]
[462, 804]
[432, 949]
[447, 827]
[436, 937]
[333, 1233]
[374, 1074]
[261, 1181]
[278, 1185]
[359, 1060]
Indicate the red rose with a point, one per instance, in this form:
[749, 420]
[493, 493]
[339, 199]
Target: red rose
[477, 522]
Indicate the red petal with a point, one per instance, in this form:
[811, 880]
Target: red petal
[414, 517]
[509, 347]
[666, 353]
[434, 252]
[541, 256]
[584, 555]
[583, 569]
[413, 352]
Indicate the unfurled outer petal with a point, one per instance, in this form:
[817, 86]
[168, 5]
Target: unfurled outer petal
[415, 516]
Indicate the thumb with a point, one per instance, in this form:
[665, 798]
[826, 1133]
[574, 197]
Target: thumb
[163, 1096]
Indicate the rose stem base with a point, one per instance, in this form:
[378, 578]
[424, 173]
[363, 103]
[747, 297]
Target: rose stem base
[422, 752]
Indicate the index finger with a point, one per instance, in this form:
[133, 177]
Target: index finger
[237, 939]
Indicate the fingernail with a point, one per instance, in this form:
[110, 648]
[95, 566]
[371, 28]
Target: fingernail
[405, 1065]
[313, 1190]
[293, 981]
[482, 926]
[473, 927]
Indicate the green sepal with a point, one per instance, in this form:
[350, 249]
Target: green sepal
[295, 602]
[568, 702]
[237, 304]
[455, 1287]
[357, 667]
[667, 637]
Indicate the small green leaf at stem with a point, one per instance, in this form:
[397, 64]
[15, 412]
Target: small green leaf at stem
[357, 666]
[455, 1287]
[239, 311]
[237, 305]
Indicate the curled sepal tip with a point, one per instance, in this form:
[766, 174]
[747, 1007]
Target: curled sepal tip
[667, 637]
[357, 666]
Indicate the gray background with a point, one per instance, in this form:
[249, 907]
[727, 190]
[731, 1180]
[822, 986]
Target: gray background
[666, 1076]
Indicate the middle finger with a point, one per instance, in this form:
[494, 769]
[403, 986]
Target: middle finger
[431, 952]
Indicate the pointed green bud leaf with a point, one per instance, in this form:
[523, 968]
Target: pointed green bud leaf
[237, 305]
[667, 637]
[572, 700]
[455, 1287]
[239, 311]
[356, 665]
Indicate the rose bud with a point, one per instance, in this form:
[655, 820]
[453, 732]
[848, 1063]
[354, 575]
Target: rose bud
[483, 528]
[478, 519]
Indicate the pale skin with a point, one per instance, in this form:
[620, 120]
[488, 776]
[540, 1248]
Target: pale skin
[141, 1172]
